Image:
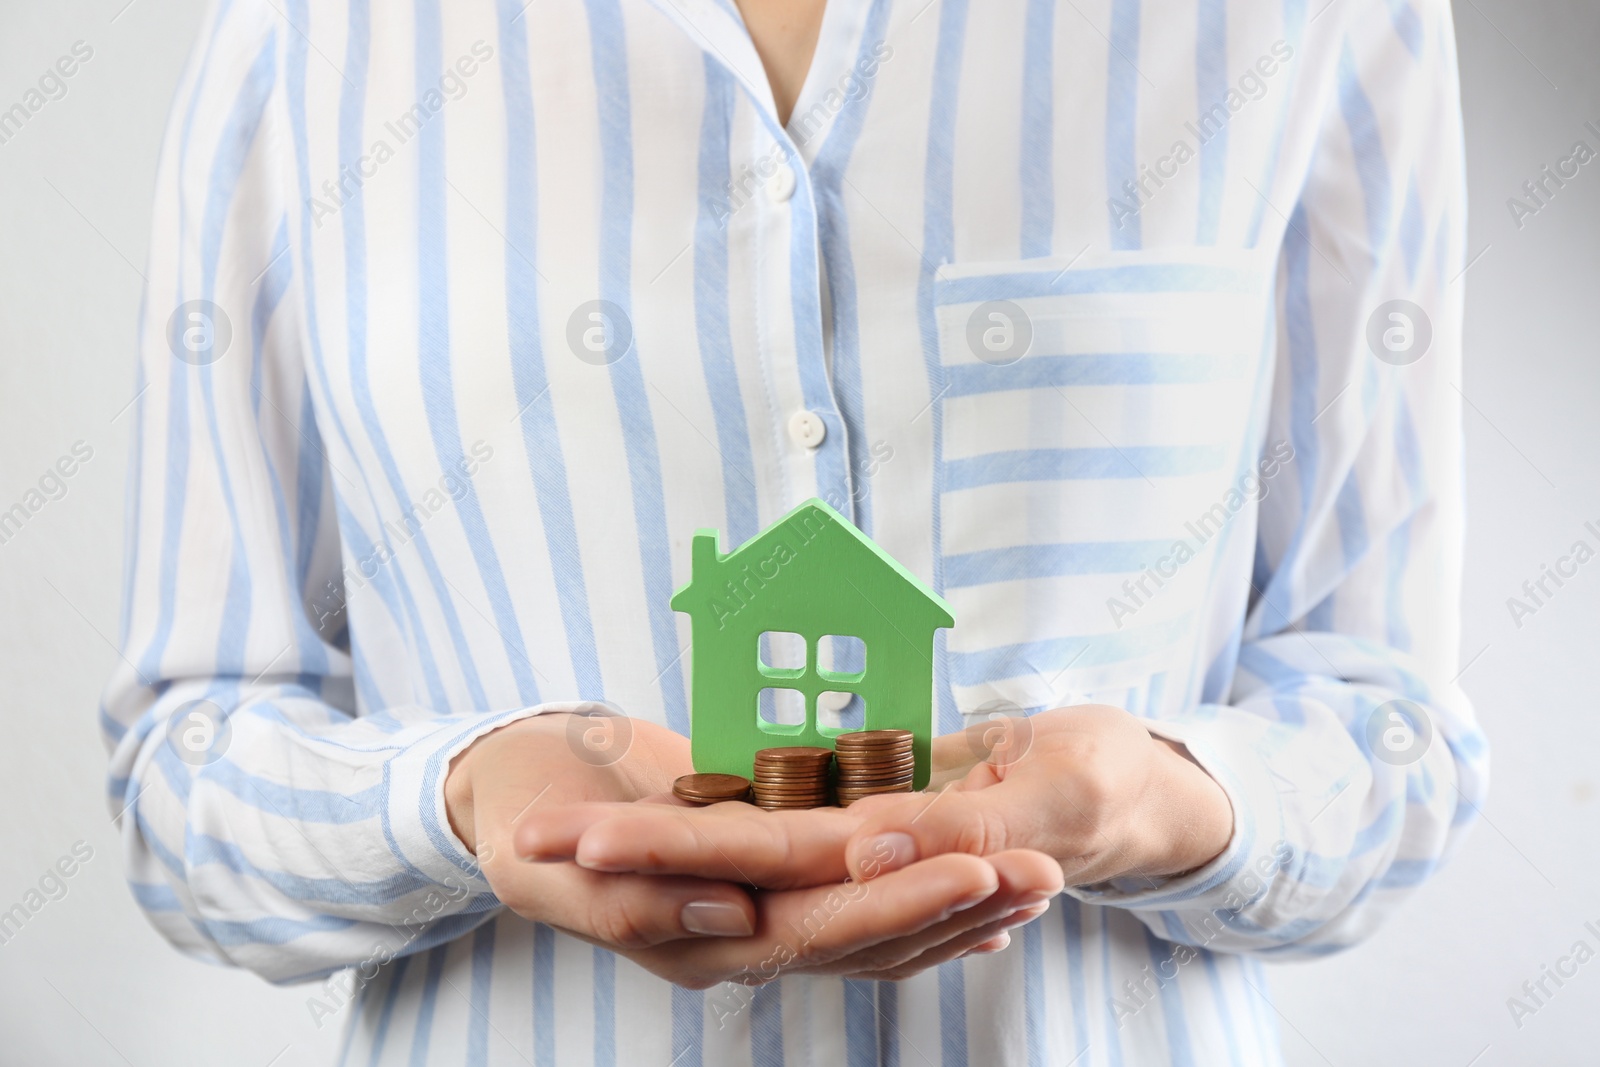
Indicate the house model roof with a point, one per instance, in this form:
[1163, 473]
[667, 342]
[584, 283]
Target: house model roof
[799, 530]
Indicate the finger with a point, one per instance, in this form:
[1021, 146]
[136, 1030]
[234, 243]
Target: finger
[803, 930]
[552, 834]
[991, 937]
[995, 937]
[1027, 880]
[951, 758]
[979, 822]
[625, 911]
[732, 841]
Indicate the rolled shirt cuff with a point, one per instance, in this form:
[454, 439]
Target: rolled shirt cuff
[416, 821]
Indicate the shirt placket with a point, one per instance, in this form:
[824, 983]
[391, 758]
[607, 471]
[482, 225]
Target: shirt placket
[787, 280]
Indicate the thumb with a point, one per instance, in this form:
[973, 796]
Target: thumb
[980, 822]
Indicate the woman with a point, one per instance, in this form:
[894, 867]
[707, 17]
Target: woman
[1130, 331]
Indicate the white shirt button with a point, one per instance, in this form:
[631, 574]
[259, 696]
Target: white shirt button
[780, 187]
[807, 428]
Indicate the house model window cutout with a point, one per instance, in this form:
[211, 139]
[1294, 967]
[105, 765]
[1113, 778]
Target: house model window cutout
[808, 613]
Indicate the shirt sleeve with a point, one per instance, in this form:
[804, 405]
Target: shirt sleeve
[1350, 756]
[264, 823]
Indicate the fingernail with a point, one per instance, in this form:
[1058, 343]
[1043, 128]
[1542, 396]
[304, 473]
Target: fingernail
[535, 853]
[593, 858]
[1028, 900]
[1022, 916]
[1000, 945]
[885, 853]
[971, 901]
[715, 918]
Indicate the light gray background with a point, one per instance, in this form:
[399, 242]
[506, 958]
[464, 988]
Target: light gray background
[87, 982]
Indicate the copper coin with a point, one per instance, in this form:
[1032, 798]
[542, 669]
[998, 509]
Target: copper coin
[866, 738]
[875, 776]
[873, 751]
[898, 761]
[865, 790]
[711, 788]
[794, 767]
[795, 754]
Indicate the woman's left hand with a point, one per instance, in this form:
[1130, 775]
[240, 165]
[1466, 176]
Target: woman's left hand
[1087, 785]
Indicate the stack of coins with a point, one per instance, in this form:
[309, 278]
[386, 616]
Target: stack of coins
[795, 777]
[873, 762]
[711, 788]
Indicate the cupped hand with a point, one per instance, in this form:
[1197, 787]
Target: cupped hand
[549, 761]
[889, 927]
[732, 841]
[1087, 785]
[700, 927]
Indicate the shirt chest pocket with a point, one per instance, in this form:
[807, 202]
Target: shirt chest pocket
[1093, 417]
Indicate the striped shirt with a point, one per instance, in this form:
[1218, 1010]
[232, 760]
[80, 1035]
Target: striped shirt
[462, 318]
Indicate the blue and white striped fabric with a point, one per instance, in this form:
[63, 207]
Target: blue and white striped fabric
[1077, 299]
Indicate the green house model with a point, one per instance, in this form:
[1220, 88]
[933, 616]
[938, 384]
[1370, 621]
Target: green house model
[811, 578]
